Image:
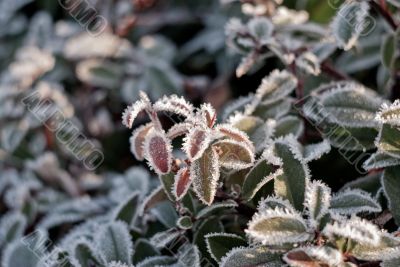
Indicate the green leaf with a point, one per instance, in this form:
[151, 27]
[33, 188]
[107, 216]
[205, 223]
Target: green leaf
[261, 173]
[278, 226]
[273, 110]
[144, 249]
[317, 201]
[350, 139]
[289, 125]
[219, 244]
[184, 222]
[114, 242]
[391, 184]
[380, 160]
[127, 209]
[156, 261]
[210, 225]
[370, 183]
[255, 129]
[165, 212]
[349, 23]
[276, 86]
[205, 175]
[216, 208]
[261, 256]
[388, 50]
[12, 227]
[354, 201]
[167, 180]
[291, 184]
[85, 255]
[388, 140]
[387, 247]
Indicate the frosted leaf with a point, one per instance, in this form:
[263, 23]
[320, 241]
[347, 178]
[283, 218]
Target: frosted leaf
[235, 134]
[174, 104]
[388, 248]
[215, 208]
[205, 175]
[83, 253]
[208, 114]
[189, 255]
[316, 201]
[277, 226]
[237, 105]
[162, 239]
[391, 183]
[114, 242]
[158, 151]
[292, 183]
[315, 151]
[350, 104]
[233, 154]
[156, 196]
[284, 16]
[178, 129]
[309, 63]
[137, 140]
[257, 130]
[314, 256]
[356, 229]
[261, 28]
[182, 183]
[349, 23]
[273, 202]
[196, 142]
[132, 111]
[277, 85]
[30, 64]
[219, 244]
[242, 256]
[106, 44]
[380, 160]
[389, 113]
[245, 65]
[118, 264]
[260, 174]
[353, 201]
[19, 254]
[12, 227]
[289, 125]
[157, 261]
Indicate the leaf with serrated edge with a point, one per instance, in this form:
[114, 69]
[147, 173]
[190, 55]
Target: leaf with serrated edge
[174, 104]
[205, 176]
[273, 202]
[388, 140]
[219, 244]
[316, 201]
[355, 228]
[353, 201]
[131, 112]
[277, 226]
[389, 114]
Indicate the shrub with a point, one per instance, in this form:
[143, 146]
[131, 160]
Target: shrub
[304, 171]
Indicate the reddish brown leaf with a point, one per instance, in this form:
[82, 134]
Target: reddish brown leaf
[158, 152]
[182, 183]
[137, 140]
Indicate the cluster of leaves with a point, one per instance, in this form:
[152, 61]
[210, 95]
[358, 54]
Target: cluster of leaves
[232, 190]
